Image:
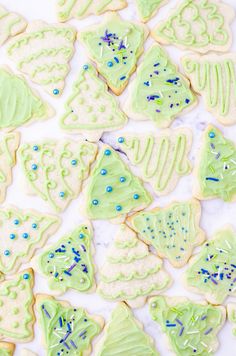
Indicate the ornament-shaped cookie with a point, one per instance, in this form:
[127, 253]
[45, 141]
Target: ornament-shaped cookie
[68, 263]
[112, 190]
[55, 170]
[161, 159]
[8, 147]
[115, 45]
[216, 167]
[214, 77]
[148, 8]
[10, 24]
[159, 92]
[16, 311]
[197, 25]
[66, 327]
[92, 114]
[191, 327]
[80, 9]
[43, 52]
[131, 273]
[212, 272]
[136, 341]
[173, 231]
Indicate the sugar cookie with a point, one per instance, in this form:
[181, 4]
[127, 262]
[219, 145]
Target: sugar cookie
[147, 9]
[10, 24]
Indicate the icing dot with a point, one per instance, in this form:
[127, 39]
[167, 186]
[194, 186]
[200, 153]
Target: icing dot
[16, 222]
[121, 139]
[85, 67]
[62, 194]
[118, 208]
[103, 172]
[55, 91]
[34, 166]
[34, 226]
[81, 236]
[7, 253]
[26, 276]
[122, 179]
[35, 148]
[15, 324]
[82, 280]
[153, 305]
[109, 189]
[136, 196]
[107, 152]
[95, 202]
[51, 255]
[74, 162]
[211, 134]
[25, 235]
[109, 64]
[15, 311]
[12, 236]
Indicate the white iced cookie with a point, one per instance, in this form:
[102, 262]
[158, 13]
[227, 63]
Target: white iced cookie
[10, 24]
[43, 52]
[131, 273]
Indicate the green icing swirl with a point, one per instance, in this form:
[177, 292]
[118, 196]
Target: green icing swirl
[65, 327]
[68, 263]
[18, 103]
[124, 337]
[113, 190]
[213, 271]
[217, 166]
[190, 327]
[147, 9]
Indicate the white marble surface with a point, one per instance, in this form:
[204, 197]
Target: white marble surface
[215, 212]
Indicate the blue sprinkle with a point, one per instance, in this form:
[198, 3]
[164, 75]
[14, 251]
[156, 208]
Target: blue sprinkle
[26, 276]
[34, 166]
[62, 194]
[107, 152]
[122, 179]
[187, 101]
[121, 139]
[25, 235]
[212, 134]
[51, 255]
[7, 253]
[116, 59]
[136, 196]
[56, 274]
[170, 325]
[34, 226]
[156, 64]
[118, 207]
[85, 67]
[35, 148]
[16, 222]
[60, 322]
[109, 189]
[122, 78]
[55, 91]
[74, 162]
[81, 236]
[68, 273]
[213, 179]
[95, 202]
[103, 172]
[12, 236]
[109, 64]
[146, 83]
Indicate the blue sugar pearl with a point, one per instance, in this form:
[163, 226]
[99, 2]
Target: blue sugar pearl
[109, 64]
[34, 166]
[103, 172]
[136, 196]
[122, 179]
[25, 235]
[62, 194]
[35, 148]
[118, 208]
[74, 162]
[121, 139]
[211, 134]
[109, 189]
[7, 252]
[95, 202]
[34, 226]
[16, 222]
[12, 236]
[55, 91]
[107, 152]
[51, 255]
[81, 236]
[85, 67]
[26, 276]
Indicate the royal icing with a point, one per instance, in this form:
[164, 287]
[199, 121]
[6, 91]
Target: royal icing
[191, 327]
[198, 25]
[10, 24]
[173, 231]
[91, 114]
[115, 45]
[147, 9]
[8, 147]
[66, 329]
[43, 52]
[212, 271]
[124, 336]
[214, 77]
[113, 191]
[55, 170]
[68, 263]
[161, 159]
[216, 167]
[79, 9]
[131, 273]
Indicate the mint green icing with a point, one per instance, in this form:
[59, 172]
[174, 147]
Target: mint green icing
[191, 328]
[148, 8]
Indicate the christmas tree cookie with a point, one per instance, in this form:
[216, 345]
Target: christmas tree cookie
[91, 114]
[80, 9]
[161, 159]
[214, 77]
[22, 232]
[216, 167]
[212, 272]
[8, 147]
[124, 335]
[68, 263]
[43, 52]
[173, 231]
[115, 45]
[147, 9]
[231, 313]
[200, 26]
[65, 327]
[112, 190]
[159, 92]
[20, 105]
[10, 24]
[131, 273]
[191, 327]
[16, 307]
[55, 170]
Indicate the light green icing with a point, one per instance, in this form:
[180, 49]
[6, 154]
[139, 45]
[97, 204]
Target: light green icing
[117, 42]
[68, 263]
[214, 78]
[72, 325]
[194, 326]
[97, 111]
[217, 166]
[5, 352]
[124, 337]
[121, 200]
[172, 231]
[19, 104]
[37, 226]
[231, 313]
[162, 160]
[8, 147]
[147, 8]
[159, 91]
[213, 272]
[195, 24]
[48, 65]
[55, 173]
[17, 292]
[10, 24]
